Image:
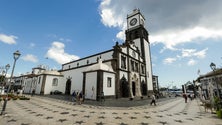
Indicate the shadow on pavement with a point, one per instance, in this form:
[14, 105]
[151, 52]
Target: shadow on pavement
[120, 102]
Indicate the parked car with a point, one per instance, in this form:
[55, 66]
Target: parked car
[56, 92]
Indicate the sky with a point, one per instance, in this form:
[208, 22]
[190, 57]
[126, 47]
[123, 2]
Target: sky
[185, 36]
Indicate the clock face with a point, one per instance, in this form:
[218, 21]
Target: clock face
[133, 21]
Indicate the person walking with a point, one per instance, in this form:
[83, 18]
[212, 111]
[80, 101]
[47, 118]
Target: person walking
[185, 97]
[153, 100]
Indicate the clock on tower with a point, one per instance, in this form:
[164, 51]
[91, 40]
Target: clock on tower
[135, 19]
[137, 34]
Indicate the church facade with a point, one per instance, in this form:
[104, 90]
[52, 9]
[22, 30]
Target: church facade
[125, 71]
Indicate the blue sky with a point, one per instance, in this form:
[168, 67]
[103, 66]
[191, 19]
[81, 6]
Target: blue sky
[184, 35]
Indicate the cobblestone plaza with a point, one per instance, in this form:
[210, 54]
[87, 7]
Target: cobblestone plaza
[40, 110]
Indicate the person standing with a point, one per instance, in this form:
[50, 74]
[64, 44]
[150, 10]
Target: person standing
[33, 92]
[153, 100]
[80, 98]
[74, 96]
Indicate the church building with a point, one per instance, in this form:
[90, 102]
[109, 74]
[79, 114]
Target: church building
[124, 71]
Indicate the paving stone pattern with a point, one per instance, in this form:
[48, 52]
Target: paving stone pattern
[44, 111]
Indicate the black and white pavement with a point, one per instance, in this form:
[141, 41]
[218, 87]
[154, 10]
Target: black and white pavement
[41, 110]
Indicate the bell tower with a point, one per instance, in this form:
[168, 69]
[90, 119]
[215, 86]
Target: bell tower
[137, 33]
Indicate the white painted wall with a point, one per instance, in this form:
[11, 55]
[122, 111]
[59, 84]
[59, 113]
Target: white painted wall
[91, 85]
[77, 74]
[49, 87]
[39, 84]
[108, 91]
[76, 79]
[148, 65]
[92, 59]
[30, 84]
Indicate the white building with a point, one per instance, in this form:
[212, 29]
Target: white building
[42, 81]
[210, 84]
[123, 71]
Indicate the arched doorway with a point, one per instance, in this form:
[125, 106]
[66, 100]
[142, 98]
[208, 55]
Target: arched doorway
[134, 88]
[144, 88]
[124, 87]
[68, 87]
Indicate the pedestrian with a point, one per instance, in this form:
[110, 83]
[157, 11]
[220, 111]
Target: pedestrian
[80, 98]
[74, 96]
[102, 97]
[77, 97]
[185, 97]
[153, 100]
[33, 92]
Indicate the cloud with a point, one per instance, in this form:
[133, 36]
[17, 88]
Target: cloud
[201, 54]
[169, 60]
[30, 58]
[191, 62]
[169, 22]
[193, 53]
[9, 39]
[176, 37]
[109, 17]
[57, 53]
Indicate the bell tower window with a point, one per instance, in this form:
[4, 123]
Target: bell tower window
[123, 62]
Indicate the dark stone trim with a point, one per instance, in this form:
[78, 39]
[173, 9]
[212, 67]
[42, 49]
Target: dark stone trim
[99, 85]
[84, 84]
[43, 85]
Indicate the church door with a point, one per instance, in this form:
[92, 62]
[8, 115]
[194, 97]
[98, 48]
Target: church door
[134, 88]
[144, 88]
[124, 88]
[68, 87]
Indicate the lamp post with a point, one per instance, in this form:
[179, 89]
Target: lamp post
[16, 56]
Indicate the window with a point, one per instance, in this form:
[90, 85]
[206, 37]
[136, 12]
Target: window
[132, 65]
[39, 79]
[142, 68]
[123, 62]
[109, 82]
[136, 67]
[133, 54]
[55, 82]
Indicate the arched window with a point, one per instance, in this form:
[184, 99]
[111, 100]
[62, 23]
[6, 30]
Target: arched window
[55, 82]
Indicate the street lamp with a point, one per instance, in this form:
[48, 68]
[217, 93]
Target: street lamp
[7, 67]
[213, 67]
[16, 56]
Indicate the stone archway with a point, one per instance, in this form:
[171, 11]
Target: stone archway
[135, 87]
[144, 88]
[124, 87]
[68, 87]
